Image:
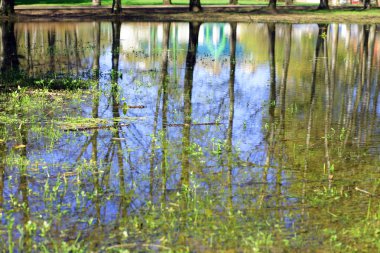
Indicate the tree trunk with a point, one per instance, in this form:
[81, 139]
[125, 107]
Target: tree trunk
[96, 2]
[323, 5]
[272, 5]
[234, 2]
[116, 6]
[195, 6]
[367, 4]
[7, 7]
[167, 2]
[10, 63]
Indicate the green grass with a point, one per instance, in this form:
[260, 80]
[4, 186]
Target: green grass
[340, 12]
[136, 2]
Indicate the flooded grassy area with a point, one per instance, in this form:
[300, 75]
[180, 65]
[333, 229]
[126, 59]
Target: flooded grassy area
[189, 137]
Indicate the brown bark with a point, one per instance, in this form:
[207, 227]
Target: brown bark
[10, 62]
[272, 5]
[367, 4]
[7, 7]
[116, 7]
[323, 5]
[195, 6]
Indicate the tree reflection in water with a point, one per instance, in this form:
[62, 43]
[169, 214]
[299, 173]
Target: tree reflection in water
[219, 139]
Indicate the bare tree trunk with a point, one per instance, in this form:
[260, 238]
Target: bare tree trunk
[7, 7]
[195, 6]
[323, 5]
[272, 5]
[367, 4]
[10, 63]
[167, 2]
[116, 6]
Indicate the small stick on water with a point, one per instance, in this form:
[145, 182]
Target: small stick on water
[131, 245]
[74, 129]
[195, 124]
[364, 191]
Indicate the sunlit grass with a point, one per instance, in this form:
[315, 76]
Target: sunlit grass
[139, 2]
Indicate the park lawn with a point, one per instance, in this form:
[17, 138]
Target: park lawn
[124, 2]
[355, 13]
[139, 2]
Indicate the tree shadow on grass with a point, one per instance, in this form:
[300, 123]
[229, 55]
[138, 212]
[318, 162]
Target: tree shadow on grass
[74, 2]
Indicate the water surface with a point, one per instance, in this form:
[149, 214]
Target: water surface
[189, 137]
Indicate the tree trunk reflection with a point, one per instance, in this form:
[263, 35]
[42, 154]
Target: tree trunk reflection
[187, 92]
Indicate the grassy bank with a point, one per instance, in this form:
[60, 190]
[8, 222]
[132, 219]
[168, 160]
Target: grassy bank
[246, 11]
[140, 2]
[210, 14]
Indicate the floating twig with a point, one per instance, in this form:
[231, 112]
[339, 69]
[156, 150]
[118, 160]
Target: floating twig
[74, 129]
[130, 245]
[364, 191]
[136, 106]
[194, 124]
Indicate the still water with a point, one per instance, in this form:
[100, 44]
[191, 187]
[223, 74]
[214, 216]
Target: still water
[189, 137]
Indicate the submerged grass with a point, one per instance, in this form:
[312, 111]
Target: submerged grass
[68, 190]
